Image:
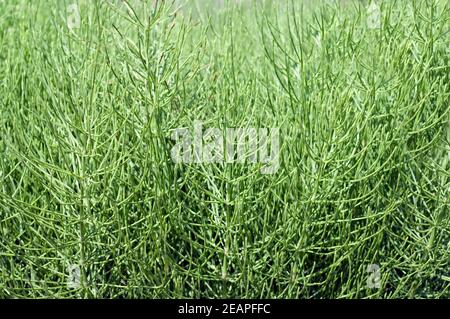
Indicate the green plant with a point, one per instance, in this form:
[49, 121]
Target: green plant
[87, 181]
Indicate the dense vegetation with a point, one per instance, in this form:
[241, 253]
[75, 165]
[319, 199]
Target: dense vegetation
[88, 183]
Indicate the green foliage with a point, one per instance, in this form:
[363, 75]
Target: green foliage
[87, 178]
